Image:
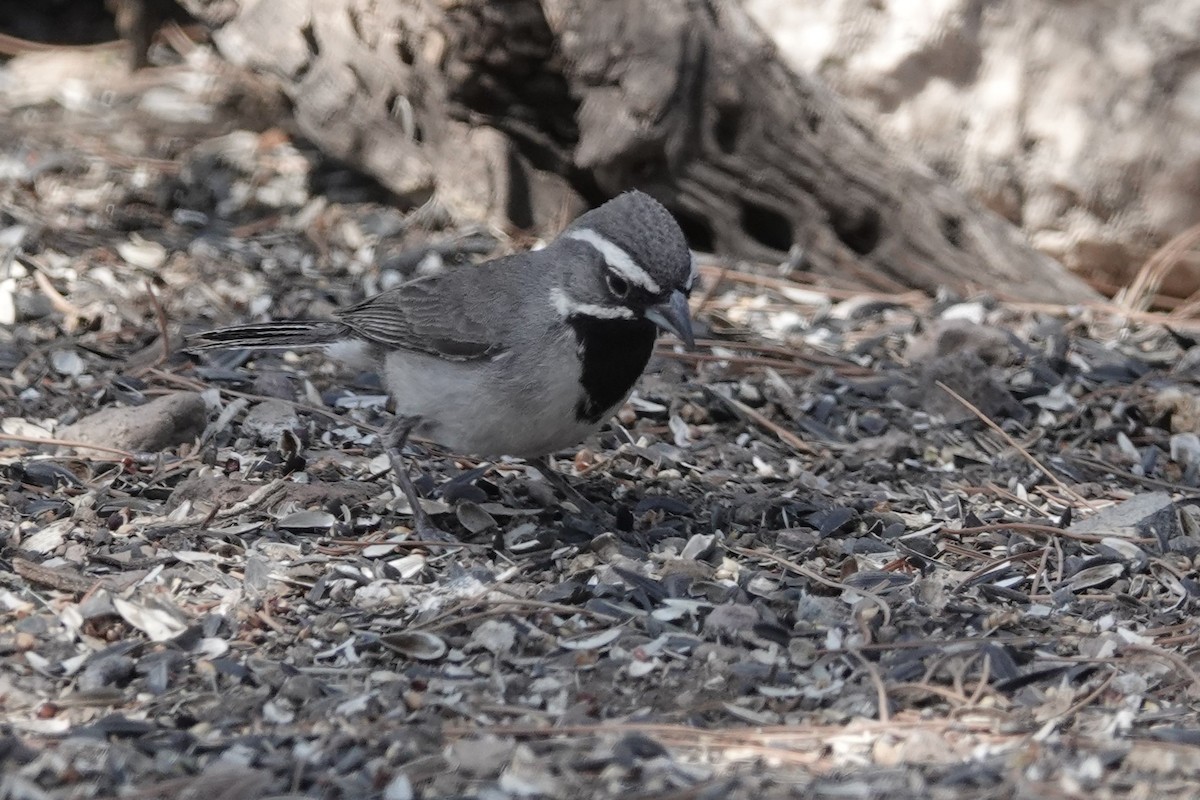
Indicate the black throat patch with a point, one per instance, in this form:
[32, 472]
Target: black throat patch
[613, 353]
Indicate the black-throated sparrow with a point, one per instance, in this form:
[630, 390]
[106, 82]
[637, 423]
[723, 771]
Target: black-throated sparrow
[522, 355]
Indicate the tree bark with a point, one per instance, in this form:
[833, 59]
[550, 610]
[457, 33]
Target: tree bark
[521, 112]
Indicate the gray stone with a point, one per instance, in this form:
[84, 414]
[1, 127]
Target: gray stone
[269, 419]
[1145, 515]
[161, 424]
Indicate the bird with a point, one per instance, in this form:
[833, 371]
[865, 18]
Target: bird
[522, 355]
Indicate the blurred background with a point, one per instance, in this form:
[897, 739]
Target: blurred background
[1075, 123]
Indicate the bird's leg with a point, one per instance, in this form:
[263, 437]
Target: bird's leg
[395, 439]
[556, 479]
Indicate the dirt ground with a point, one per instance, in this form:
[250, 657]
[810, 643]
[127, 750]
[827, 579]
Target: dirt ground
[864, 546]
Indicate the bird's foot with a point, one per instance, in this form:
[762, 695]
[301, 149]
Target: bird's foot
[428, 533]
[589, 510]
[423, 527]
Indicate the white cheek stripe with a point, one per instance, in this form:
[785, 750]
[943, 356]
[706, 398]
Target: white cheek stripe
[567, 307]
[617, 259]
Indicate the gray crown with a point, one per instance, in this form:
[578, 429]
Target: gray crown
[642, 228]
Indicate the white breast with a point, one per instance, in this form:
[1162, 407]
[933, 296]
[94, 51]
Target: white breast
[504, 406]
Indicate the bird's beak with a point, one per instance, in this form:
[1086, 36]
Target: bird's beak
[674, 316]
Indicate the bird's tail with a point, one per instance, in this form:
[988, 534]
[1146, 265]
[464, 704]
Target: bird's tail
[264, 335]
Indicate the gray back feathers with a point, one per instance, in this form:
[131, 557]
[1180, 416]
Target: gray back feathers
[469, 313]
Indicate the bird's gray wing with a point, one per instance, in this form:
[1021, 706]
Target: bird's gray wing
[443, 315]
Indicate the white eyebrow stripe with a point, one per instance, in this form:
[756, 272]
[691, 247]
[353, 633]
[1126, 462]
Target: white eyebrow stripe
[617, 259]
[567, 307]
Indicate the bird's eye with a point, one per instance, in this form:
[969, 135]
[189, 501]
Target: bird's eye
[618, 286]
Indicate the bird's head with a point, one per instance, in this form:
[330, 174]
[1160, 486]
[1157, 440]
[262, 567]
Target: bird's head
[635, 265]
